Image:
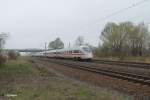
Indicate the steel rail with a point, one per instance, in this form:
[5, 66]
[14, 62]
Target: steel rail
[116, 74]
[123, 63]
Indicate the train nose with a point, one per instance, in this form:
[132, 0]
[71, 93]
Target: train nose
[90, 55]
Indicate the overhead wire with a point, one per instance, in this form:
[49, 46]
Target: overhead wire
[125, 9]
[120, 11]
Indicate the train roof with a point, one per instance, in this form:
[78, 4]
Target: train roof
[67, 49]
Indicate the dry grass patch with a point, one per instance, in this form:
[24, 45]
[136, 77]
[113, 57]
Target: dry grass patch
[29, 82]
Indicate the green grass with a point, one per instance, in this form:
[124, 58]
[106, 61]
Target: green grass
[16, 69]
[30, 83]
[51, 92]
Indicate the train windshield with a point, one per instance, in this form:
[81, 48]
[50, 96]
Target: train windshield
[86, 49]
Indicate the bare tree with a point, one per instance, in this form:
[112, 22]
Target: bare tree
[125, 39]
[3, 37]
[79, 41]
[113, 37]
[139, 39]
[3, 57]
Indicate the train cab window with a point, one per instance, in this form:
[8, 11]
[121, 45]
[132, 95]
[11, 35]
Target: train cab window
[58, 53]
[87, 49]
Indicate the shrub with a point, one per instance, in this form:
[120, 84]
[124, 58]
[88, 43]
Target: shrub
[3, 59]
[13, 55]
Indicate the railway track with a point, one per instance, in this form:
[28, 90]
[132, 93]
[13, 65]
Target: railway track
[143, 80]
[123, 63]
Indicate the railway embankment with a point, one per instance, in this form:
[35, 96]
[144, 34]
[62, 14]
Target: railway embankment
[132, 87]
[26, 79]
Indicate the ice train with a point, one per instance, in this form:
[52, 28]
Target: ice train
[77, 53]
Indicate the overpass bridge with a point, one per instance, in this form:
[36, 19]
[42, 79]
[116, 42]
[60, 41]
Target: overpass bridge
[26, 50]
[30, 50]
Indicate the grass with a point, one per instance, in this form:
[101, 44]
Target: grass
[67, 92]
[16, 69]
[30, 83]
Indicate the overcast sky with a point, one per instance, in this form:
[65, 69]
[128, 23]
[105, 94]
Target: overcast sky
[31, 23]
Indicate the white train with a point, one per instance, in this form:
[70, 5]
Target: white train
[77, 53]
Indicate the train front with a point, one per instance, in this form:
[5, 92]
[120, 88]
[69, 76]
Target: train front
[87, 53]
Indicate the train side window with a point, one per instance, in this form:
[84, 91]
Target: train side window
[76, 51]
[70, 51]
